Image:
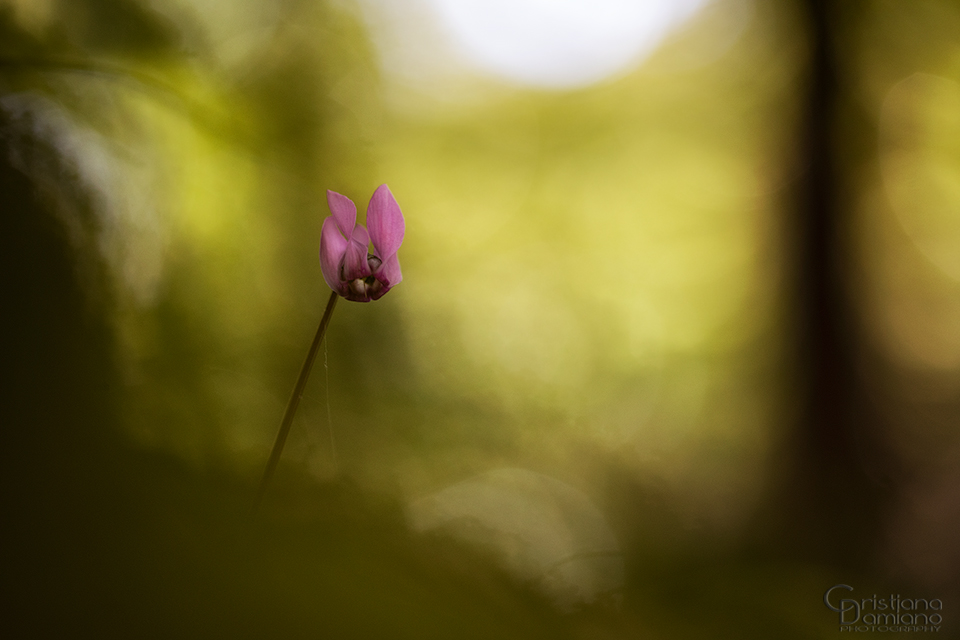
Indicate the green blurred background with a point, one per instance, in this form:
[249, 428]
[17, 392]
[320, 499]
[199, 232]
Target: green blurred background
[602, 285]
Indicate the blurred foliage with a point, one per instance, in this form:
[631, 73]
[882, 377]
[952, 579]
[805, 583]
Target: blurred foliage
[904, 63]
[593, 288]
[577, 242]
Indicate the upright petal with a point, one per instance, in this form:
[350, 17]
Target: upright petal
[360, 236]
[344, 212]
[332, 247]
[385, 222]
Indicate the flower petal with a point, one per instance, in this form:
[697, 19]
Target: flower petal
[389, 272]
[379, 293]
[332, 247]
[355, 262]
[344, 212]
[385, 222]
[360, 235]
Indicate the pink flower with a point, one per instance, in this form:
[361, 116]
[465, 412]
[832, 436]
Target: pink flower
[346, 265]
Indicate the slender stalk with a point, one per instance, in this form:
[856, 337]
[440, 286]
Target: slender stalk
[294, 401]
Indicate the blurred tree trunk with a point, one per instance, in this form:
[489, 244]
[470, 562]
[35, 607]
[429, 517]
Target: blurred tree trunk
[830, 503]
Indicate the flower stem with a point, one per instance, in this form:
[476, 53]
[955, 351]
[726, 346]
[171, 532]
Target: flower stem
[294, 401]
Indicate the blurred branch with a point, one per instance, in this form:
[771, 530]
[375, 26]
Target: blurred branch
[161, 90]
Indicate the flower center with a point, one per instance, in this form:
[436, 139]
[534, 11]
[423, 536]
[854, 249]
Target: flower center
[374, 263]
[366, 287]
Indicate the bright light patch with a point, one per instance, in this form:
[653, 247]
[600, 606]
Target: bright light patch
[560, 43]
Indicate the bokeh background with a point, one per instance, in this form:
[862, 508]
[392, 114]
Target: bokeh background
[675, 351]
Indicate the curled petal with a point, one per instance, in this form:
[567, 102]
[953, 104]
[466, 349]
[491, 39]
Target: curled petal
[389, 272]
[355, 262]
[376, 294]
[332, 249]
[385, 222]
[344, 212]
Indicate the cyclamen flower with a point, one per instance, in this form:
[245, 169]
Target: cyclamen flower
[347, 266]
